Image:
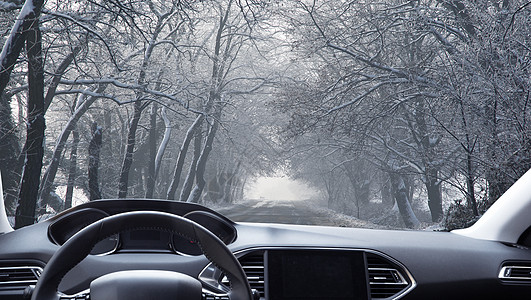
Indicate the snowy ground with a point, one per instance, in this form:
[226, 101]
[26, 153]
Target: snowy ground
[305, 212]
[308, 212]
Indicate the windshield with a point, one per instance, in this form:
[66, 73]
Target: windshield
[379, 114]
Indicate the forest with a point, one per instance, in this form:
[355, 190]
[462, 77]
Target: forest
[414, 109]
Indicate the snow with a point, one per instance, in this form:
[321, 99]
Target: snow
[164, 142]
[342, 220]
[26, 10]
[7, 5]
[401, 185]
[4, 222]
[78, 197]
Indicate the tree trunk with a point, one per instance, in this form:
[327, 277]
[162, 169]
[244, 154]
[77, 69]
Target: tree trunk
[331, 199]
[201, 163]
[469, 150]
[10, 162]
[28, 17]
[160, 152]
[34, 147]
[359, 182]
[402, 200]
[182, 155]
[229, 186]
[239, 190]
[213, 96]
[433, 187]
[58, 75]
[128, 157]
[164, 143]
[494, 177]
[156, 155]
[471, 197]
[431, 169]
[72, 171]
[131, 135]
[189, 181]
[151, 177]
[387, 197]
[51, 171]
[94, 162]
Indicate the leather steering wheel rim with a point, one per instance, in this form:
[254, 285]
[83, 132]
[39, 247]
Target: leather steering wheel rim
[80, 245]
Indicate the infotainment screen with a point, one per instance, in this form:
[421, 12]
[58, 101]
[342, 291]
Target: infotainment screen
[317, 275]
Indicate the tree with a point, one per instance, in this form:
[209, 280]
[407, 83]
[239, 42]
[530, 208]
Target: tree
[33, 149]
[94, 161]
[181, 157]
[10, 162]
[230, 35]
[155, 164]
[139, 105]
[72, 171]
[81, 106]
[416, 66]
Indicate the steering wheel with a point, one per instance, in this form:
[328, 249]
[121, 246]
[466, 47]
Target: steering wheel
[142, 284]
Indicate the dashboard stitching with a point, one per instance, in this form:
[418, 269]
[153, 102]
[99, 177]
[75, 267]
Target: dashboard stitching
[212, 261]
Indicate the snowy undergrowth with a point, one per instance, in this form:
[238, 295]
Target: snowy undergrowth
[340, 219]
[377, 218]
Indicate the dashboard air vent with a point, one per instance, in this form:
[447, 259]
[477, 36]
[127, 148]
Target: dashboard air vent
[19, 275]
[515, 272]
[386, 280]
[253, 266]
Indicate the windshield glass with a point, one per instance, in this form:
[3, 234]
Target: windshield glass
[379, 114]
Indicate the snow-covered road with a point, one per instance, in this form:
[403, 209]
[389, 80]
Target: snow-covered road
[288, 212]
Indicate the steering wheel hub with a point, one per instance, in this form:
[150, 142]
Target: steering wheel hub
[145, 284]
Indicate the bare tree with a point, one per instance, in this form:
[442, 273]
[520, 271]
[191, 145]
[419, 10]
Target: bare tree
[229, 35]
[82, 105]
[94, 161]
[444, 73]
[33, 149]
[182, 156]
[139, 105]
[72, 170]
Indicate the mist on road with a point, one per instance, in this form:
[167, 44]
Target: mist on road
[279, 188]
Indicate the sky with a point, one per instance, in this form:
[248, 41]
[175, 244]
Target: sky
[278, 188]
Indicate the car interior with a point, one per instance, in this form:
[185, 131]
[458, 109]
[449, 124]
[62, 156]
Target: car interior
[159, 249]
[140, 141]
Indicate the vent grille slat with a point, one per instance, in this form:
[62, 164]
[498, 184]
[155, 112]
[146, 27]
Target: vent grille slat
[385, 279]
[519, 273]
[253, 266]
[19, 275]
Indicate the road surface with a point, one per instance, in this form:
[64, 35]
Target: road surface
[277, 211]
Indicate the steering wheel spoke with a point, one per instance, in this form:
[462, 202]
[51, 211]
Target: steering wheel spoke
[207, 296]
[84, 295]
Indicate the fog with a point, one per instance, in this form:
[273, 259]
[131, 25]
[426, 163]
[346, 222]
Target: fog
[279, 188]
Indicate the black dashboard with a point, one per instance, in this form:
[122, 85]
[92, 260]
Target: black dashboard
[282, 262]
[66, 225]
